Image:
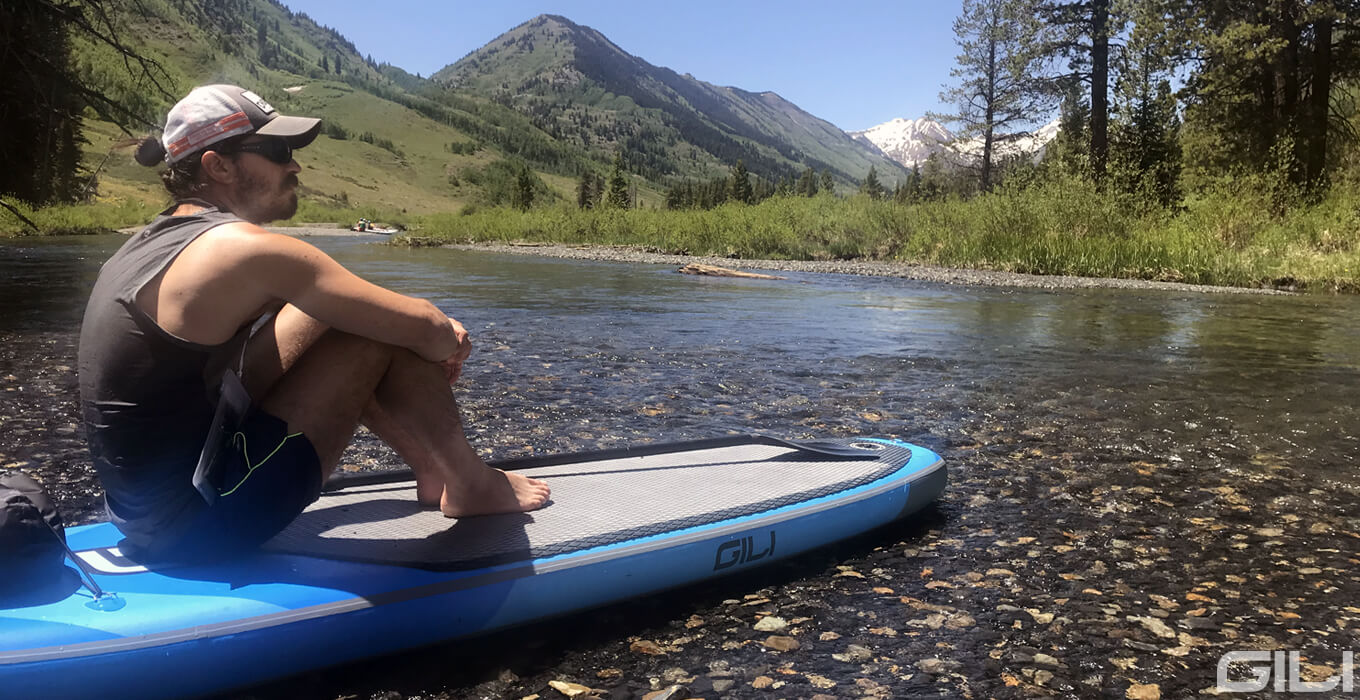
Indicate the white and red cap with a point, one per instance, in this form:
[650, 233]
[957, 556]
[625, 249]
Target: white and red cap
[212, 113]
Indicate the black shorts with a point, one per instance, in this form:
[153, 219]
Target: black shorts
[269, 477]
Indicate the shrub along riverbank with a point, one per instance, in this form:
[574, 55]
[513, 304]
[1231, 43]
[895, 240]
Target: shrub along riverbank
[1229, 236]
[1236, 234]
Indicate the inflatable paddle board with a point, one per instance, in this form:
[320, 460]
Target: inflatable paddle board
[365, 571]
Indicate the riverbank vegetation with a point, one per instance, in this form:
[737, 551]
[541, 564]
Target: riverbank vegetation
[1229, 234]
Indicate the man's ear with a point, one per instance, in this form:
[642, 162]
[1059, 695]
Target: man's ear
[218, 167]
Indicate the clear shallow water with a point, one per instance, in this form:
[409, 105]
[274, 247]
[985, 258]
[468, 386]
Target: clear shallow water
[1188, 423]
[640, 352]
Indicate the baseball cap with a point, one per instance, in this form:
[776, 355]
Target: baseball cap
[213, 113]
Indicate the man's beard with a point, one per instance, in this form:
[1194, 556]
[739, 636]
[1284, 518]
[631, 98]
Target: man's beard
[270, 203]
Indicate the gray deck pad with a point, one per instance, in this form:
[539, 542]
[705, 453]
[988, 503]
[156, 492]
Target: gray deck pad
[594, 503]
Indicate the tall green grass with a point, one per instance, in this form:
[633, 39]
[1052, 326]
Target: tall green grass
[76, 219]
[105, 217]
[1231, 234]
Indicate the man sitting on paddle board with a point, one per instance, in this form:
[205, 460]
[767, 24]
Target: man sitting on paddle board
[190, 467]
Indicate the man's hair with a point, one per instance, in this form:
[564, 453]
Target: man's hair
[181, 178]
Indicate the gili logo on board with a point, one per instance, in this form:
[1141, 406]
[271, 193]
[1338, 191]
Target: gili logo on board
[1281, 667]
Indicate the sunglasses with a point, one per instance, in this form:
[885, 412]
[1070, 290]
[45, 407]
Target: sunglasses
[276, 150]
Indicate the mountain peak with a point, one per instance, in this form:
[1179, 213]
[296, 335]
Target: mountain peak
[907, 141]
[576, 85]
[912, 141]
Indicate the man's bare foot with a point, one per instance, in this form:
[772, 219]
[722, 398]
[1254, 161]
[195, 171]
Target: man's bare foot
[494, 491]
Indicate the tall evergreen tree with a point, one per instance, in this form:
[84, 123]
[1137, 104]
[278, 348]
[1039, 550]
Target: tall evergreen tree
[42, 94]
[740, 187]
[996, 91]
[618, 187]
[678, 195]
[807, 184]
[1071, 148]
[585, 198]
[1261, 91]
[597, 193]
[828, 185]
[871, 186]
[1081, 31]
[1145, 151]
[523, 196]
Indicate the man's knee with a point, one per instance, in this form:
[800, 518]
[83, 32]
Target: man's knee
[360, 347]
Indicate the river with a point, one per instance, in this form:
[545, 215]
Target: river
[1141, 480]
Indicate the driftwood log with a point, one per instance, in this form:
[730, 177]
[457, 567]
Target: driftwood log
[715, 271]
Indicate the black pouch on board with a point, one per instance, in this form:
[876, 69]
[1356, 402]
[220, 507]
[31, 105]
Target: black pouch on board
[32, 551]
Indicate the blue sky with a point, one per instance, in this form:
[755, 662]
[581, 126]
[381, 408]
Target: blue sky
[851, 62]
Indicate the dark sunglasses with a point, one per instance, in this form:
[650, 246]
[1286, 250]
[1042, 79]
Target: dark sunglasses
[276, 150]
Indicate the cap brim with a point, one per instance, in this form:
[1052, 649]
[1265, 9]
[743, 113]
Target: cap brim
[299, 131]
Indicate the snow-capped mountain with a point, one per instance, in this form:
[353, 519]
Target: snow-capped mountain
[907, 141]
[1033, 144]
[911, 141]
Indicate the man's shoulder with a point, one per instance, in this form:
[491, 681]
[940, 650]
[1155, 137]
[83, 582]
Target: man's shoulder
[245, 238]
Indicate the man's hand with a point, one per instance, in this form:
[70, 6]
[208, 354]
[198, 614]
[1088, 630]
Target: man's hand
[453, 364]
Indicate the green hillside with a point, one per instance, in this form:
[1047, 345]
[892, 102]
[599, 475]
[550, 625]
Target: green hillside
[392, 142]
[584, 90]
[551, 96]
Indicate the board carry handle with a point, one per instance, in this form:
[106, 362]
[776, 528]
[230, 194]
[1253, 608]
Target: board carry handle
[825, 448]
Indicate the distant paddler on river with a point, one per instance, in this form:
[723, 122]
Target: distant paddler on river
[369, 227]
[224, 368]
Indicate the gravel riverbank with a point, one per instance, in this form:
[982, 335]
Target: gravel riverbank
[877, 268]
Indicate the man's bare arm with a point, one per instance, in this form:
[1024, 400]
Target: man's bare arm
[298, 273]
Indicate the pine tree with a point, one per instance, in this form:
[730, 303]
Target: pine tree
[1081, 32]
[871, 186]
[807, 184]
[1145, 151]
[828, 185]
[1262, 95]
[676, 195]
[740, 187]
[585, 198]
[997, 65]
[618, 187]
[43, 93]
[1071, 149]
[523, 196]
[914, 185]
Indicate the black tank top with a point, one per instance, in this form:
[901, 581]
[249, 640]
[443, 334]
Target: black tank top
[147, 396]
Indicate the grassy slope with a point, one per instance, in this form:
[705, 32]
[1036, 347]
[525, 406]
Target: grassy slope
[372, 180]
